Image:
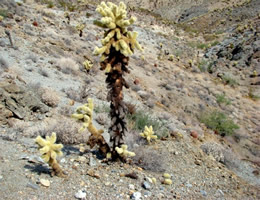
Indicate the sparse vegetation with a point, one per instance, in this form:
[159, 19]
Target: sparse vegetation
[227, 79]
[141, 118]
[221, 99]
[218, 122]
[205, 66]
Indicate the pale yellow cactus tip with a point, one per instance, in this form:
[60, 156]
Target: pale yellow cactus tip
[88, 64]
[48, 148]
[123, 152]
[148, 134]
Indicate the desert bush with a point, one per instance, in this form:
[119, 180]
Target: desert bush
[227, 79]
[49, 97]
[218, 122]
[65, 128]
[221, 99]
[150, 159]
[141, 118]
[68, 66]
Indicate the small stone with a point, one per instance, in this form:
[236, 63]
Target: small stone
[92, 162]
[131, 186]
[143, 94]
[146, 185]
[188, 185]
[194, 134]
[45, 183]
[203, 192]
[136, 81]
[32, 185]
[80, 195]
[81, 159]
[63, 160]
[136, 196]
[147, 194]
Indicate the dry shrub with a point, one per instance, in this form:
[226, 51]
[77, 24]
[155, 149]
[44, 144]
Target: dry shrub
[49, 97]
[65, 128]
[150, 159]
[68, 66]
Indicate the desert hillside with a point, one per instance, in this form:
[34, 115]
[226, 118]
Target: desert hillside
[196, 82]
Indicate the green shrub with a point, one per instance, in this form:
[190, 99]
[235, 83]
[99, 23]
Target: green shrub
[141, 118]
[229, 80]
[218, 122]
[3, 13]
[221, 99]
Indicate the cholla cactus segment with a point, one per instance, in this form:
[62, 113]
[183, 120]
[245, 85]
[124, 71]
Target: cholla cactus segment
[48, 148]
[84, 113]
[1, 18]
[88, 64]
[114, 18]
[123, 152]
[148, 134]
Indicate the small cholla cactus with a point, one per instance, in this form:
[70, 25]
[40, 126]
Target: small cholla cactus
[80, 28]
[123, 152]
[171, 57]
[148, 134]
[1, 18]
[50, 151]
[88, 64]
[85, 114]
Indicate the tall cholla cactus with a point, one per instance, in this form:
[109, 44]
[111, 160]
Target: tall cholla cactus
[118, 43]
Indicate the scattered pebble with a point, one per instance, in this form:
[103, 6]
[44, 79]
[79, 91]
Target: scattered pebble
[32, 185]
[45, 182]
[80, 194]
[136, 196]
[146, 185]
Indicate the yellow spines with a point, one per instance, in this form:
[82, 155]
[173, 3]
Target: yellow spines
[88, 64]
[84, 113]
[115, 19]
[48, 148]
[148, 134]
[123, 152]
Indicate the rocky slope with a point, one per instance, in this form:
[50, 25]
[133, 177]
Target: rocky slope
[182, 73]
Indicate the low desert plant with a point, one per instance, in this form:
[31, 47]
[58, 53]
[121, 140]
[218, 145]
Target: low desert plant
[221, 99]
[218, 122]
[141, 118]
[229, 80]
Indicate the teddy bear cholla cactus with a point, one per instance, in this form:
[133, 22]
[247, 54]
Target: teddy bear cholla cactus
[50, 151]
[84, 113]
[118, 43]
[148, 134]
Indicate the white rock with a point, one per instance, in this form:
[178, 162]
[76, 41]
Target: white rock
[80, 194]
[45, 183]
[136, 196]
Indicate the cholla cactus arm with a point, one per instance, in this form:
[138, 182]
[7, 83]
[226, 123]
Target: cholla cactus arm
[123, 152]
[148, 134]
[50, 151]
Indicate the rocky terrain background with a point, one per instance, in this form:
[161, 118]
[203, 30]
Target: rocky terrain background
[198, 56]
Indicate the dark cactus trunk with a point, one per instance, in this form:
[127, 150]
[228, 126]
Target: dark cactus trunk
[115, 83]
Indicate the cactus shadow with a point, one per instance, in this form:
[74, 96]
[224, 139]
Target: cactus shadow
[38, 168]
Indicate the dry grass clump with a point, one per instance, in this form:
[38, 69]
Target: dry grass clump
[50, 97]
[150, 159]
[68, 66]
[65, 128]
